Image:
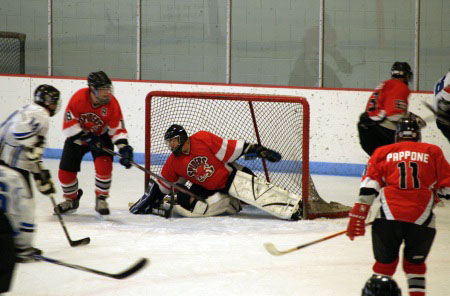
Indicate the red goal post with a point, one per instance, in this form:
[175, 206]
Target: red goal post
[278, 122]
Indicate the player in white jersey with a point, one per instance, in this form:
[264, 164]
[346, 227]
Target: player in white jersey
[16, 223]
[442, 104]
[22, 140]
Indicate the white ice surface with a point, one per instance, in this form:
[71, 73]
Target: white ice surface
[207, 256]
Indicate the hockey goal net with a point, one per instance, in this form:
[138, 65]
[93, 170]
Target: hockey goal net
[280, 123]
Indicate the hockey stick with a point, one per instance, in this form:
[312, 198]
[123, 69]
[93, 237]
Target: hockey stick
[121, 275]
[274, 251]
[174, 185]
[80, 242]
[76, 243]
[443, 120]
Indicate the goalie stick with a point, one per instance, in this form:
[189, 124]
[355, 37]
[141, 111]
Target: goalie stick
[76, 243]
[121, 275]
[274, 251]
[173, 185]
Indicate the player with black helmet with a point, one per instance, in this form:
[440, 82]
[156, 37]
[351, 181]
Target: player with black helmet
[22, 140]
[409, 177]
[208, 162]
[386, 105]
[93, 119]
[381, 285]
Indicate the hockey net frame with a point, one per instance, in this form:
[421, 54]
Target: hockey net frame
[314, 207]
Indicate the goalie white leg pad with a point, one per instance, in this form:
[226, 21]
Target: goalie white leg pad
[265, 196]
[217, 204]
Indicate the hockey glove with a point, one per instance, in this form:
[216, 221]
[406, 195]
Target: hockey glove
[93, 142]
[255, 150]
[356, 224]
[44, 182]
[23, 255]
[418, 119]
[126, 151]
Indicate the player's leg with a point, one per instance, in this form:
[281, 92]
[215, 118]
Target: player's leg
[69, 166]
[8, 255]
[418, 241]
[103, 175]
[445, 129]
[387, 237]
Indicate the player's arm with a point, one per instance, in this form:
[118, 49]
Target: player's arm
[119, 136]
[71, 126]
[443, 173]
[369, 189]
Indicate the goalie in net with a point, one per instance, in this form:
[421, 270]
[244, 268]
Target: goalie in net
[208, 162]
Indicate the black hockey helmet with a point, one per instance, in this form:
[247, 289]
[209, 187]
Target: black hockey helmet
[408, 130]
[176, 131]
[99, 80]
[402, 70]
[381, 285]
[47, 96]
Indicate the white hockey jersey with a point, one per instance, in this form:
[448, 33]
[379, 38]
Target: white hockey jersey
[18, 205]
[21, 131]
[442, 94]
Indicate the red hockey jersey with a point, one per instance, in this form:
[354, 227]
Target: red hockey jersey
[80, 116]
[406, 174]
[205, 164]
[388, 101]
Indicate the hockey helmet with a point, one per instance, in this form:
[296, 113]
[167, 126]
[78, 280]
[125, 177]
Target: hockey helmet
[97, 81]
[402, 70]
[408, 130]
[381, 285]
[47, 96]
[176, 131]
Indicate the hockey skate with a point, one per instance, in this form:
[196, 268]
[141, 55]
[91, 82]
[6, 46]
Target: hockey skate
[101, 206]
[69, 205]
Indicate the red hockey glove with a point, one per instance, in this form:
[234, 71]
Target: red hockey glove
[356, 224]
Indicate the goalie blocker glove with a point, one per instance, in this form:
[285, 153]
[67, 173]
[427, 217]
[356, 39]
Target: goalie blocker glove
[150, 202]
[255, 150]
[356, 224]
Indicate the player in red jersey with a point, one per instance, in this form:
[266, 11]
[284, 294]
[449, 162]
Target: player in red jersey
[93, 119]
[387, 104]
[409, 177]
[208, 162]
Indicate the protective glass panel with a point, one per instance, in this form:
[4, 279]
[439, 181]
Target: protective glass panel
[92, 35]
[364, 38]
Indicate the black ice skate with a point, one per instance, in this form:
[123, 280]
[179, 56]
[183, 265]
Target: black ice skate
[101, 206]
[69, 205]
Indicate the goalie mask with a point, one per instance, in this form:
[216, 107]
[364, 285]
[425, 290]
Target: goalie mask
[402, 70]
[101, 86]
[175, 138]
[408, 130]
[381, 285]
[47, 96]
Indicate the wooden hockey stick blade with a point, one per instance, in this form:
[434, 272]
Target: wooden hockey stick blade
[121, 275]
[274, 251]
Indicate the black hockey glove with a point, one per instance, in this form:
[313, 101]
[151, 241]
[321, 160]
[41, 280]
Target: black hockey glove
[126, 151]
[44, 182]
[93, 142]
[255, 150]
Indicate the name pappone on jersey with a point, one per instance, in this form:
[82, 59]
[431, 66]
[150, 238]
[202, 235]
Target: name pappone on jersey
[408, 155]
[199, 168]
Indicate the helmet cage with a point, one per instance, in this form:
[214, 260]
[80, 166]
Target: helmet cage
[176, 132]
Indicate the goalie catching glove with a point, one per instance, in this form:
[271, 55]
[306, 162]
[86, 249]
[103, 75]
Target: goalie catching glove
[44, 182]
[255, 150]
[356, 224]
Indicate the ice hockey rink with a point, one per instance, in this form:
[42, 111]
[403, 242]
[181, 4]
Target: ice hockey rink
[207, 256]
